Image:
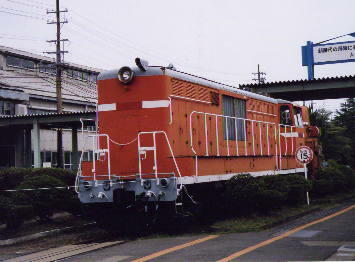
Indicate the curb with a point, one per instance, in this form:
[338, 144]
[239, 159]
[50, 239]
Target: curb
[290, 218]
[53, 232]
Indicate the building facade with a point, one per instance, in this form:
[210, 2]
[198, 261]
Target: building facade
[27, 91]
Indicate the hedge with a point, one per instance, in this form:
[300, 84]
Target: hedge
[15, 207]
[334, 179]
[245, 194]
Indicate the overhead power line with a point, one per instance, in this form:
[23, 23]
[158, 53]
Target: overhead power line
[25, 4]
[22, 39]
[28, 16]
[21, 11]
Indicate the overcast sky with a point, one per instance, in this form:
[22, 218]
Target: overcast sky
[221, 40]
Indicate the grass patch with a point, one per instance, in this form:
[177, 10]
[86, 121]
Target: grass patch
[259, 222]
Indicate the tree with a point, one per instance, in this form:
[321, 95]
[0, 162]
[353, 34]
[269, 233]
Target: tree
[345, 117]
[321, 119]
[337, 134]
[337, 145]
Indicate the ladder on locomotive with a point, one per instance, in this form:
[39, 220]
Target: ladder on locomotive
[101, 152]
[142, 155]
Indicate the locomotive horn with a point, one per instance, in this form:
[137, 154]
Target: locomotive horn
[142, 64]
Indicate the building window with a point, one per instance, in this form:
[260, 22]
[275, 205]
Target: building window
[67, 160]
[47, 68]
[87, 156]
[7, 108]
[93, 78]
[85, 76]
[77, 74]
[234, 107]
[54, 158]
[20, 62]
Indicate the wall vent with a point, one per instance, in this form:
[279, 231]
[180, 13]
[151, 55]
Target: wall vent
[190, 90]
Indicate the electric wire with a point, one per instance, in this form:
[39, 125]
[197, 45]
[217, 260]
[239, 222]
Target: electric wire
[25, 4]
[21, 39]
[72, 93]
[88, 91]
[119, 38]
[27, 16]
[21, 11]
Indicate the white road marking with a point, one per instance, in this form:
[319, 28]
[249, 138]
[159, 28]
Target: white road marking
[326, 243]
[347, 251]
[115, 259]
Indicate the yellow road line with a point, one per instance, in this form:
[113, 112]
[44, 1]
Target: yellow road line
[269, 241]
[172, 249]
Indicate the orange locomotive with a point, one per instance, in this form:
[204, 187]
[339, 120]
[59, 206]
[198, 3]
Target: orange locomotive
[161, 130]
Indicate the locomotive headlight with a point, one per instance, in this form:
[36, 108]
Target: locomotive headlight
[164, 182]
[125, 75]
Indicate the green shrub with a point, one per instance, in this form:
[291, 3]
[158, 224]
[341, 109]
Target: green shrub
[269, 200]
[15, 207]
[65, 176]
[246, 194]
[297, 188]
[44, 202]
[323, 187]
[6, 204]
[335, 178]
[12, 177]
[242, 193]
[13, 215]
[17, 215]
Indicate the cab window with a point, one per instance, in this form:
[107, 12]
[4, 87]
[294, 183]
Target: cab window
[297, 115]
[285, 115]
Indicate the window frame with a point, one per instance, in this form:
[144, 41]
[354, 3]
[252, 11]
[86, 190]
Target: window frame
[239, 106]
[20, 64]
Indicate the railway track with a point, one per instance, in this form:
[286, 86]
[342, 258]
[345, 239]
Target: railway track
[59, 253]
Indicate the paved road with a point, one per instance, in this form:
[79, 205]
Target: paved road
[327, 235]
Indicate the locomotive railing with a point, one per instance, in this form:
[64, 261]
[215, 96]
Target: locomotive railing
[142, 151]
[251, 142]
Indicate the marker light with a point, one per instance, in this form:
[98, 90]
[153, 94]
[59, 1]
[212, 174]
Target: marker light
[125, 75]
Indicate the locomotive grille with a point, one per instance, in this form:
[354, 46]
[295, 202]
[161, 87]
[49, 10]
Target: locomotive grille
[190, 90]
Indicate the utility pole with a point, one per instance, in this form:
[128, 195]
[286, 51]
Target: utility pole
[58, 81]
[261, 76]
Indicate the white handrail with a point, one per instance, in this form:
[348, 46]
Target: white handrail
[79, 171]
[258, 122]
[262, 133]
[155, 158]
[97, 136]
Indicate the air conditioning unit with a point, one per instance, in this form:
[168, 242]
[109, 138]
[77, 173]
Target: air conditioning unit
[20, 109]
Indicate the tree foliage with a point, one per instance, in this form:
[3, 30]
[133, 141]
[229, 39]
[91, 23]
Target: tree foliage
[337, 133]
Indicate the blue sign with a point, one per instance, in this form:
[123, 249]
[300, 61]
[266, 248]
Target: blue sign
[321, 54]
